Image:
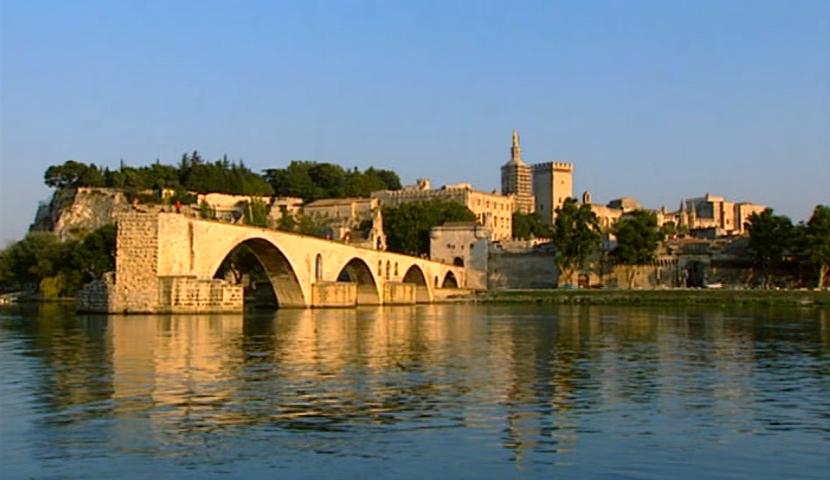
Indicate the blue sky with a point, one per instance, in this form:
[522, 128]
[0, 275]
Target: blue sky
[653, 99]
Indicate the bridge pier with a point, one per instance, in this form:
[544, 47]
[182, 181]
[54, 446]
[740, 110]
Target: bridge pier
[333, 294]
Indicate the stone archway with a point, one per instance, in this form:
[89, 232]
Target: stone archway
[450, 281]
[280, 272]
[416, 276]
[358, 271]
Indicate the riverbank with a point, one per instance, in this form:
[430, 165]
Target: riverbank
[778, 298]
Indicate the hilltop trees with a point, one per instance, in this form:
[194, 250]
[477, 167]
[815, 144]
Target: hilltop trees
[312, 181]
[192, 174]
[576, 236]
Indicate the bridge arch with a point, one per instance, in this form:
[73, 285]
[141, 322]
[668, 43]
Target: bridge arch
[357, 270]
[282, 274]
[415, 275]
[449, 280]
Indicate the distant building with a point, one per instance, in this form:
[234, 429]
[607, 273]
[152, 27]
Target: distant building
[709, 216]
[517, 178]
[463, 244]
[492, 210]
[230, 208]
[357, 221]
[712, 212]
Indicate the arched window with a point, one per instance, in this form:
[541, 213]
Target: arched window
[388, 266]
[318, 267]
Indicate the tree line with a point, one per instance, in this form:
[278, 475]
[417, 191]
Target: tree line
[777, 244]
[307, 180]
[192, 174]
[313, 181]
[42, 263]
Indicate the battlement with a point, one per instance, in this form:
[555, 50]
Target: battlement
[557, 166]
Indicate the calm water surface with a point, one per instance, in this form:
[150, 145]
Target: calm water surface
[417, 392]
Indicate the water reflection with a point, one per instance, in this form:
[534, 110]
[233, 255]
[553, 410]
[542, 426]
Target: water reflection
[523, 386]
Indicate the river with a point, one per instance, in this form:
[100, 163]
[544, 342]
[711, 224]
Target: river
[434, 391]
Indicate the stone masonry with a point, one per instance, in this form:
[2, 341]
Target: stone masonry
[166, 263]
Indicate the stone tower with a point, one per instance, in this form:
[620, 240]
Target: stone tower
[552, 185]
[516, 178]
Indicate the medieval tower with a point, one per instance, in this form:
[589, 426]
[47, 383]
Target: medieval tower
[516, 178]
[552, 185]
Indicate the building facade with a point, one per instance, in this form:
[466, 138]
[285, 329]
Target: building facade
[713, 212]
[492, 210]
[517, 178]
[348, 219]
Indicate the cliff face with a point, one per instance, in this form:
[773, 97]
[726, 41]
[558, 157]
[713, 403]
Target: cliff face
[74, 212]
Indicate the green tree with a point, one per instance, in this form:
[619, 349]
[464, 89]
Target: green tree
[637, 240]
[68, 175]
[206, 211]
[255, 212]
[817, 233]
[530, 225]
[312, 181]
[770, 237]
[576, 236]
[407, 227]
[94, 255]
[42, 262]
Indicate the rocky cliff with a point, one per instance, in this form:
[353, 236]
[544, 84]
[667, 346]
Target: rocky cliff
[73, 212]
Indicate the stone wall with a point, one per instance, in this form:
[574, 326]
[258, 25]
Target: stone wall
[532, 269]
[95, 297]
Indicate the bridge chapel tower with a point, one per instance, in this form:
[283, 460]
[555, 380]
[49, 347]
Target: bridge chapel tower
[516, 178]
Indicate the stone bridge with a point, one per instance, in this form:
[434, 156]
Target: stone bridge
[167, 263]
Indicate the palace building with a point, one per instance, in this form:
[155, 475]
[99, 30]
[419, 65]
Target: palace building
[541, 188]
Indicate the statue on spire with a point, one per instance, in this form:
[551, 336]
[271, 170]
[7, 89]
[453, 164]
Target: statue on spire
[516, 150]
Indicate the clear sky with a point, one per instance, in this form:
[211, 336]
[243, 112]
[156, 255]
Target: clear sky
[655, 99]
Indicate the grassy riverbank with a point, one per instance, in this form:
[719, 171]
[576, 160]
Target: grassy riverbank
[783, 298]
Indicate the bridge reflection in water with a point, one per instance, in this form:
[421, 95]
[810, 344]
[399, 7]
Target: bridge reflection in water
[536, 383]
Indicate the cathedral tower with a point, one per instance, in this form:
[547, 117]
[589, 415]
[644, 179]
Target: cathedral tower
[516, 178]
